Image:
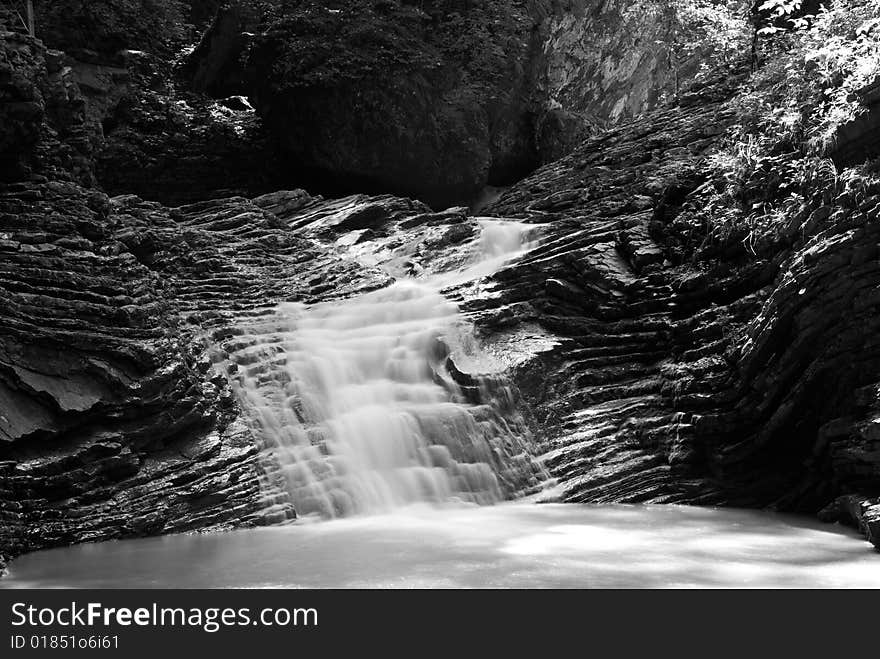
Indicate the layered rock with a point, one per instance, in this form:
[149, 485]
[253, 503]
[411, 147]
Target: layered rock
[114, 422]
[662, 362]
[690, 370]
[118, 417]
[660, 367]
[44, 129]
[112, 425]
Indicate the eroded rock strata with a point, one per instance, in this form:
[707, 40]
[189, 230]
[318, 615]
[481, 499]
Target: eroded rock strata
[695, 370]
[656, 360]
[116, 421]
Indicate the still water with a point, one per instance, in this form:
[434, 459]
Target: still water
[511, 545]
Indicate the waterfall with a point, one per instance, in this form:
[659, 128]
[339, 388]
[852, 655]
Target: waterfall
[362, 403]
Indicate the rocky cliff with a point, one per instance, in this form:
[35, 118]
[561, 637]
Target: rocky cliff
[437, 99]
[112, 424]
[116, 421]
[429, 100]
[118, 119]
[601, 63]
[664, 356]
[688, 368]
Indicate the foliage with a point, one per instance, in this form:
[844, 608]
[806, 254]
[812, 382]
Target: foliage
[776, 157]
[699, 36]
[810, 85]
[775, 16]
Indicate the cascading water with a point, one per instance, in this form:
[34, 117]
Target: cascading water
[363, 407]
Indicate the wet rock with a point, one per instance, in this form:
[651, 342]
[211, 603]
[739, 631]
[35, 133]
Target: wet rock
[858, 511]
[684, 374]
[659, 365]
[115, 419]
[116, 309]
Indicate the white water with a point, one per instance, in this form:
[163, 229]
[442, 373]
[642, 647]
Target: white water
[511, 545]
[355, 399]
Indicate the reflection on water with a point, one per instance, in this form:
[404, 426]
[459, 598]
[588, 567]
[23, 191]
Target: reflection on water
[516, 545]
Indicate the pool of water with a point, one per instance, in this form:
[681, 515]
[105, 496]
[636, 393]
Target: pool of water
[517, 545]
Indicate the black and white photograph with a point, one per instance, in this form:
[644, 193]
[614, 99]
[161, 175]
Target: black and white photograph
[373, 295]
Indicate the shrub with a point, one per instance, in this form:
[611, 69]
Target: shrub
[776, 158]
[699, 36]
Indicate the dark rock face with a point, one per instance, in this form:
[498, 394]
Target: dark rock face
[112, 424]
[100, 28]
[479, 93]
[216, 67]
[202, 12]
[860, 139]
[44, 130]
[434, 99]
[119, 122]
[385, 96]
[21, 104]
[685, 371]
[179, 148]
[660, 365]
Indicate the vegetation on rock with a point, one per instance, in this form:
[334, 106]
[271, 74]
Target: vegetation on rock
[107, 26]
[699, 36]
[784, 150]
[705, 293]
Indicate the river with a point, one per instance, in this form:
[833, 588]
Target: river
[510, 545]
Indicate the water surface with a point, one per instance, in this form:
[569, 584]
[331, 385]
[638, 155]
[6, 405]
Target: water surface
[516, 545]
